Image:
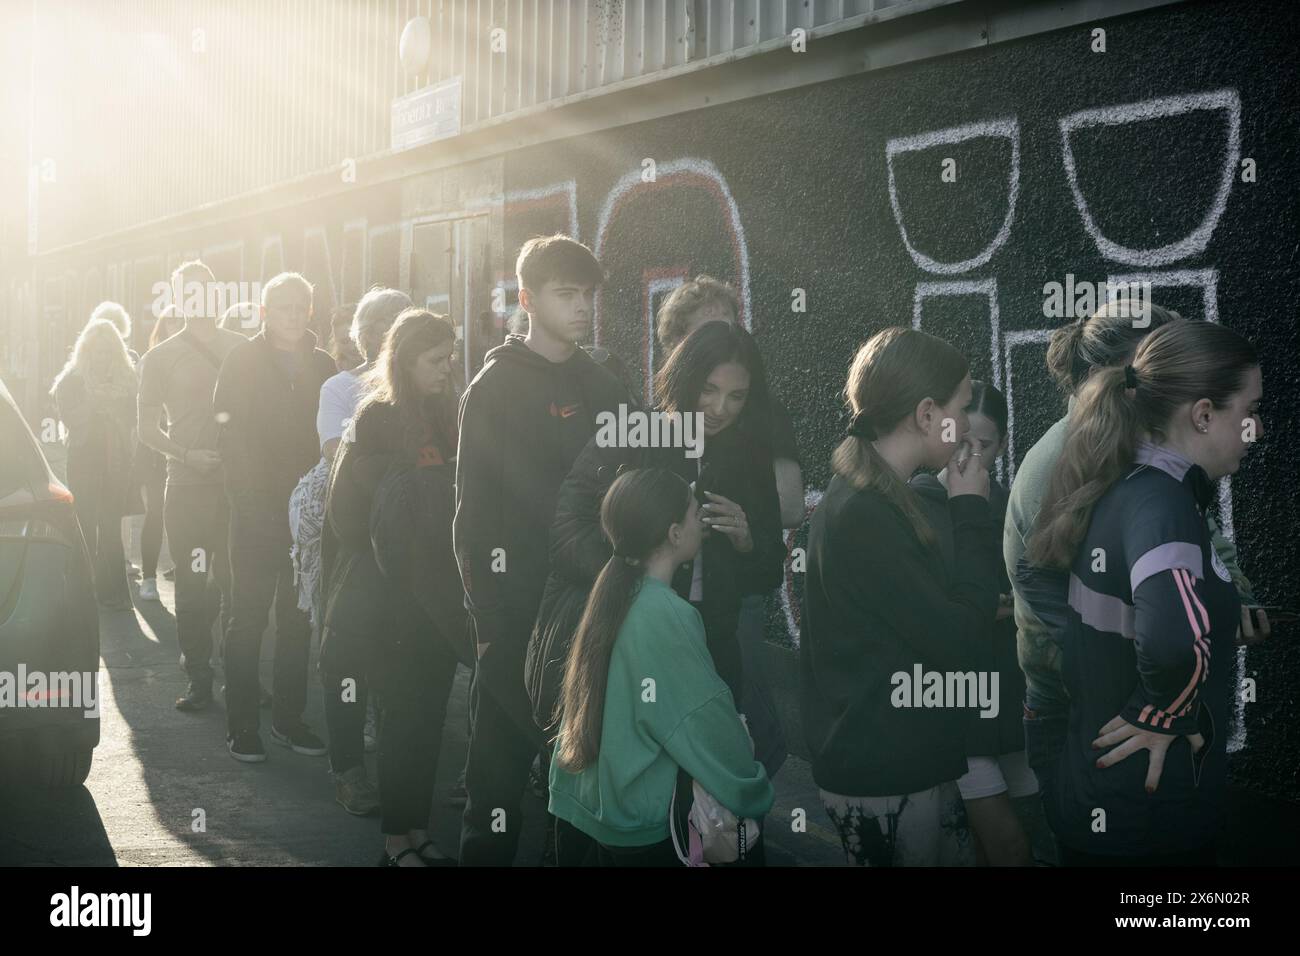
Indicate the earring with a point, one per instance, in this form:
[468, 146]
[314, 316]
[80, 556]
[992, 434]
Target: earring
[1202, 428]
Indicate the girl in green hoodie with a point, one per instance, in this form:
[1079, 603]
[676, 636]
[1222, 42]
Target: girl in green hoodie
[641, 697]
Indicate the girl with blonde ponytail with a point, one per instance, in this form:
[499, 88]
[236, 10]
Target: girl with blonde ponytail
[1152, 610]
[880, 612]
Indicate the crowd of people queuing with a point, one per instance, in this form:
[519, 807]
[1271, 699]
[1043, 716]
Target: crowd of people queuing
[610, 598]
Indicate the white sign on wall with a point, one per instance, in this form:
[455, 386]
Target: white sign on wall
[426, 115]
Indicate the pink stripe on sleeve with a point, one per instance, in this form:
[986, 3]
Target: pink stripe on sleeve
[1196, 601]
[1187, 605]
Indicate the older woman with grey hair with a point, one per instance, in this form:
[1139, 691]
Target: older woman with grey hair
[374, 316]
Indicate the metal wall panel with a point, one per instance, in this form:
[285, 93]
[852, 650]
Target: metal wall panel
[147, 125]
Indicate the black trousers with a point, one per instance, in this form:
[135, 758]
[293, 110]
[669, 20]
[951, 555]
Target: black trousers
[655, 855]
[197, 522]
[100, 500]
[756, 701]
[504, 743]
[345, 714]
[262, 575]
[416, 673]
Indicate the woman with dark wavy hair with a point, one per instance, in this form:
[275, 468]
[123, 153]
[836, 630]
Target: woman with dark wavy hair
[715, 375]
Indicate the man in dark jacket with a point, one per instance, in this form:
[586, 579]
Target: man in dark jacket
[523, 420]
[266, 400]
[177, 378]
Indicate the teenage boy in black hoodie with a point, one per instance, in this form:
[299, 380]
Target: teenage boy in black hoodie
[523, 420]
[266, 400]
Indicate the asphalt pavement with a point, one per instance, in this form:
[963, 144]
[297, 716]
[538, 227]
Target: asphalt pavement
[163, 790]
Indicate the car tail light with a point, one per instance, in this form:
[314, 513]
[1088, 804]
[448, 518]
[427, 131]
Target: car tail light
[48, 514]
[58, 492]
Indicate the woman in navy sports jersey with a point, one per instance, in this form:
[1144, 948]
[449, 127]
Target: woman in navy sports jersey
[1153, 612]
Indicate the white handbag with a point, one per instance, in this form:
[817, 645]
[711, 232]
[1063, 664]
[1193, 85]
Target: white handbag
[714, 834]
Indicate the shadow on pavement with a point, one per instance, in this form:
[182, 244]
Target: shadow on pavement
[53, 828]
[169, 792]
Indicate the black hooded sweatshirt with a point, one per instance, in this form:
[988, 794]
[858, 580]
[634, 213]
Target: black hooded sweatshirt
[877, 604]
[523, 422]
[996, 645]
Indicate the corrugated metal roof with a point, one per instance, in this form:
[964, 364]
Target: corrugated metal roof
[149, 108]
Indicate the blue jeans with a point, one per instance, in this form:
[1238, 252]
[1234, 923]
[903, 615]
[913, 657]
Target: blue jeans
[756, 696]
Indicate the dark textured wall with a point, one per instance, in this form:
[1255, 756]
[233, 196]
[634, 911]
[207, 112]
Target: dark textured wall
[794, 191]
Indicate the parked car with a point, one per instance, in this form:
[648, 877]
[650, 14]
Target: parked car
[49, 621]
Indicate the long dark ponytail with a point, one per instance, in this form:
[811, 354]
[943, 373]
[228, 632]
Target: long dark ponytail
[1107, 337]
[639, 508]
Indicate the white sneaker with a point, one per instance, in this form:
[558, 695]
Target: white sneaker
[149, 589]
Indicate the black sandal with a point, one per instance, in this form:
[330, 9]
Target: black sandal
[388, 860]
[433, 860]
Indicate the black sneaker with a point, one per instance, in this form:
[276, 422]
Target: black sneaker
[247, 746]
[300, 740]
[196, 698]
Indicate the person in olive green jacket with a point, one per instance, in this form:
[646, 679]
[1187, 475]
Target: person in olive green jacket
[641, 697]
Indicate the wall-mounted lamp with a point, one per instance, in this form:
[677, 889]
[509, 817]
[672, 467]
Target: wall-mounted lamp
[415, 45]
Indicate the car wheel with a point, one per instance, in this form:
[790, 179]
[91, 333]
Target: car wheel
[68, 768]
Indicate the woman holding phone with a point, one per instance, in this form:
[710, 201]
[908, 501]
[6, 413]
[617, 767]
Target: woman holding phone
[878, 607]
[1153, 611]
[716, 375]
